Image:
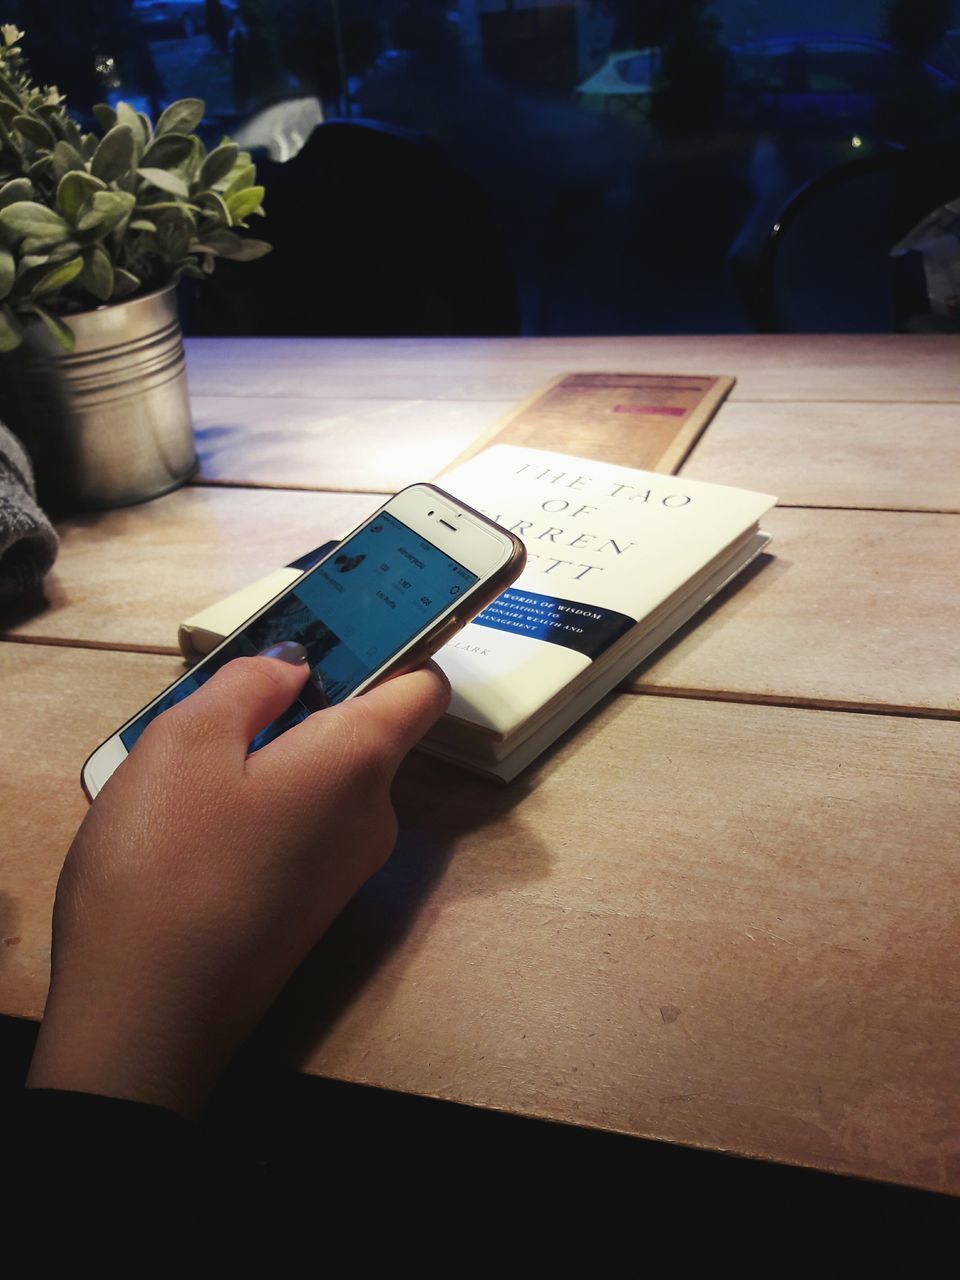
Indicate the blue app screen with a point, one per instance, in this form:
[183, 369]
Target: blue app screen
[352, 613]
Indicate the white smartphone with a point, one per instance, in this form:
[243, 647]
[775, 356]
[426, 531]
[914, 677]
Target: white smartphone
[384, 599]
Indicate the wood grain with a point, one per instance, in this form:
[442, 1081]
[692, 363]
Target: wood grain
[756, 950]
[836, 454]
[890, 367]
[373, 446]
[127, 578]
[855, 608]
[63, 703]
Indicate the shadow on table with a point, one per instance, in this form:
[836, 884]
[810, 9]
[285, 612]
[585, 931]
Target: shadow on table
[437, 805]
[27, 605]
[733, 597]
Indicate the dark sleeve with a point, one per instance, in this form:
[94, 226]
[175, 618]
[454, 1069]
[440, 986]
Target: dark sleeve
[125, 1187]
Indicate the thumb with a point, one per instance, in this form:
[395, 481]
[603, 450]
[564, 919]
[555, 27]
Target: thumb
[244, 696]
[404, 708]
[381, 725]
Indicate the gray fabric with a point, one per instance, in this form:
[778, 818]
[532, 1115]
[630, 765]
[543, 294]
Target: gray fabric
[28, 544]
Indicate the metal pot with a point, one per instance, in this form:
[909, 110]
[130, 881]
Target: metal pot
[109, 424]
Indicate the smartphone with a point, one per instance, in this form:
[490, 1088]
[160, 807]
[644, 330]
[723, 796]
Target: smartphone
[379, 603]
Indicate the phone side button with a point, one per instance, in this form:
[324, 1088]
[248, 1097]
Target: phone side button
[446, 632]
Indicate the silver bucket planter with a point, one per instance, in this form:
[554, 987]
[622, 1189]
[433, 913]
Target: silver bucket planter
[109, 424]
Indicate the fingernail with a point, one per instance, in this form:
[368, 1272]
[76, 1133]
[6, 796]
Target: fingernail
[286, 651]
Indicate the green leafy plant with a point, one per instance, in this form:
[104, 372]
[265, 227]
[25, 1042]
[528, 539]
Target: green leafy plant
[88, 219]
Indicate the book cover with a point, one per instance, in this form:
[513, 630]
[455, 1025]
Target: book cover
[609, 548]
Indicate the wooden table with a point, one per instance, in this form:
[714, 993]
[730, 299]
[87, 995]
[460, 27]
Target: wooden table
[725, 911]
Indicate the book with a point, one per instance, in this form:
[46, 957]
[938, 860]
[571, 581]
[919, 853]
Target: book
[618, 560]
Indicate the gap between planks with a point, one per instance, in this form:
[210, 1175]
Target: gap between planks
[642, 690]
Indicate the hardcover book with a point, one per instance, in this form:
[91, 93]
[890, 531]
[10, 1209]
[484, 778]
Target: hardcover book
[618, 560]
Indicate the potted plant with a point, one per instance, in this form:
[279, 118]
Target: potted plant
[96, 228]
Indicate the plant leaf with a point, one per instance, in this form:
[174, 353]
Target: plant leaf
[97, 273]
[38, 251]
[192, 166]
[141, 224]
[106, 116]
[124, 283]
[32, 128]
[182, 116]
[61, 331]
[107, 209]
[11, 330]
[27, 218]
[66, 159]
[227, 244]
[114, 156]
[218, 163]
[164, 181]
[39, 167]
[58, 277]
[245, 202]
[29, 261]
[17, 189]
[8, 91]
[243, 176]
[74, 190]
[8, 272]
[71, 132]
[168, 150]
[212, 206]
[167, 210]
[126, 115]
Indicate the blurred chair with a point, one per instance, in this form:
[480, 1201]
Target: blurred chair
[826, 265]
[375, 233]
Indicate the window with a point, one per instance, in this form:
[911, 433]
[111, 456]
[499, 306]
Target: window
[632, 155]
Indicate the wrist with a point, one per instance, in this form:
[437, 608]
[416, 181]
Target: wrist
[115, 1056]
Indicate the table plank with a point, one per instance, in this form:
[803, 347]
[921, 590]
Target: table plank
[882, 367]
[856, 608]
[760, 956]
[754, 951]
[64, 703]
[840, 615]
[373, 446]
[127, 578]
[836, 454]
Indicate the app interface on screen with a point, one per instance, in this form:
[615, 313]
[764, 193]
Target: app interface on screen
[353, 613]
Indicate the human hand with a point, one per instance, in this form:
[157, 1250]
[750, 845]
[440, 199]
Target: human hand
[201, 877]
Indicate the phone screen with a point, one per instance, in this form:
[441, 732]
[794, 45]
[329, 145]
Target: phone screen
[380, 588]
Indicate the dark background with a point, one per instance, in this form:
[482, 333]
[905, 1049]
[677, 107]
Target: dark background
[339, 1180]
[507, 190]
